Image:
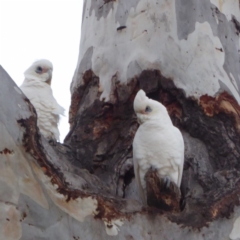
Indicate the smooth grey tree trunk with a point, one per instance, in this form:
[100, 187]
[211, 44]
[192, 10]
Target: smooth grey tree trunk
[183, 53]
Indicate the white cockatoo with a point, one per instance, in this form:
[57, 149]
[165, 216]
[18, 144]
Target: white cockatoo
[37, 88]
[157, 144]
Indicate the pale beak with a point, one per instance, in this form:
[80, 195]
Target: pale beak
[50, 77]
[139, 117]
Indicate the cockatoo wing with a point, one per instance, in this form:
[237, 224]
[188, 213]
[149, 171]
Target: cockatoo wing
[137, 176]
[170, 152]
[48, 110]
[179, 160]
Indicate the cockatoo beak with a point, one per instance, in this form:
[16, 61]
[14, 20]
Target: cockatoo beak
[50, 77]
[139, 122]
[139, 117]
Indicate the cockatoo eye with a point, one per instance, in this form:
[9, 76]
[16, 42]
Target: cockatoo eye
[148, 109]
[38, 70]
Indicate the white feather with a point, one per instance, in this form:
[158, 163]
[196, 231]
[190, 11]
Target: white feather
[157, 143]
[36, 87]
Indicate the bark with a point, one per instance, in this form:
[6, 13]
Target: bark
[184, 54]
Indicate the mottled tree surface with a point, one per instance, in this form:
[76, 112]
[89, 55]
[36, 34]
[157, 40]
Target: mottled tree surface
[184, 54]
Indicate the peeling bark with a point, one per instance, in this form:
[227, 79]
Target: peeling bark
[102, 133]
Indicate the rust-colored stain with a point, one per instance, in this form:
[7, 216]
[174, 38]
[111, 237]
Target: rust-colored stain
[208, 104]
[225, 206]
[175, 109]
[101, 125]
[6, 151]
[75, 101]
[224, 103]
[31, 140]
[44, 169]
[76, 96]
[106, 210]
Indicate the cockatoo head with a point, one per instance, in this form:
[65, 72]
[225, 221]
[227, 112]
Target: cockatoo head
[40, 70]
[148, 109]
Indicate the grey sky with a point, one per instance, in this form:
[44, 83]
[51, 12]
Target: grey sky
[34, 29]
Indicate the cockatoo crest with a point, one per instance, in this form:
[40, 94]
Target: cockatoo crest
[40, 70]
[148, 109]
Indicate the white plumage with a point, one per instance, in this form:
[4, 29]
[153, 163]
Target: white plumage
[157, 144]
[36, 87]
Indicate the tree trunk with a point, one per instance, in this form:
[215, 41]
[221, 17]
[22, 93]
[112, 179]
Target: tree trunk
[184, 54]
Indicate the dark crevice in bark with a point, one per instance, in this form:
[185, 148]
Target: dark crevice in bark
[50, 158]
[128, 177]
[237, 24]
[210, 180]
[102, 132]
[214, 132]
